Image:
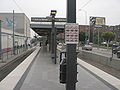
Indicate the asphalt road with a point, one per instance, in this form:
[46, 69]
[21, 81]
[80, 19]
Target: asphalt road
[103, 52]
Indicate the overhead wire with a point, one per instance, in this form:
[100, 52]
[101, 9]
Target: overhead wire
[83, 6]
[86, 4]
[18, 6]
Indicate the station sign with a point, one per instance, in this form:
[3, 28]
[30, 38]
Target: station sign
[71, 33]
[47, 19]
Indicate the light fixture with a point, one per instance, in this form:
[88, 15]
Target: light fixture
[53, 12]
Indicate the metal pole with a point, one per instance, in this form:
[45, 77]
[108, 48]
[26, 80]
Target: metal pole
[93, 28]
[52, 36]
[55, 47]
[53, 39]
[0, 41]
[26, 38]
[91, 33]
[86, 16]
[13, 35]
[71, 69]
[49, 41]
[7, 45]
[98, 38]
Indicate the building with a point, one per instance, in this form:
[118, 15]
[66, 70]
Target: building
[85, 28]
[93, 31]
[21, 28]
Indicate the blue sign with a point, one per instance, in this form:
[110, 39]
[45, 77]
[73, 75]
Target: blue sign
[9, 22]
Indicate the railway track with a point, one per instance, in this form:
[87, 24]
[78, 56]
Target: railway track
[7, 68]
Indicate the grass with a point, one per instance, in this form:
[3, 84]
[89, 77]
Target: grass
[104, 47]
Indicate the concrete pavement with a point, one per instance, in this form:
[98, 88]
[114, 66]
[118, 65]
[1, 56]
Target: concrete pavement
[44, 75]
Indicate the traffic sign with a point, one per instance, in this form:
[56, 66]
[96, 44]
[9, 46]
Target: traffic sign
[71, 33]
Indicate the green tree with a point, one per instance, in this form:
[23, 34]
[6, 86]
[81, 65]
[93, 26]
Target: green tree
[82, 36]
[108, 36]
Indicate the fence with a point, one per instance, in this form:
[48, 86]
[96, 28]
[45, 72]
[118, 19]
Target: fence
[6, 51]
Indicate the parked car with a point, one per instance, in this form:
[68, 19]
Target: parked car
[87, 47]
[60, 44]
[118, 54]
[116, 49]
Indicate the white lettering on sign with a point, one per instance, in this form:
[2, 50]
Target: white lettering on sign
[71, 33]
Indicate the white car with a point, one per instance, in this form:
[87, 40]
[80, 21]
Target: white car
[87, 47]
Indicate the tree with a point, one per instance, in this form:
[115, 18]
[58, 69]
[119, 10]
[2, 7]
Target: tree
[108, 36]
[82, 36]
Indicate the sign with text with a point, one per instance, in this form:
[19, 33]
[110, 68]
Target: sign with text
[71, 33]
[47, 19]
[100, 20]
[97, 21]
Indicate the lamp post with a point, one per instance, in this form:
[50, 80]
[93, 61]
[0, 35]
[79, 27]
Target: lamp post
[85, 15]
[85, 22]
[53, 35]
[0, 40]
[13, 35]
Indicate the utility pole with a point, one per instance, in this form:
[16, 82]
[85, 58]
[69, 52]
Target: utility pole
[85, 15]
[0, 40]
[55, 45]
[98, 38]
[53, 36]
[71, 68]
[1, 54]
[13, 35]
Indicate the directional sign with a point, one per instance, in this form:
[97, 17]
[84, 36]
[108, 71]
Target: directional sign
[71, 33]
[46, 19]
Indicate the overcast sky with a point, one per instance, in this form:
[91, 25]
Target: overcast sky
[101, 8]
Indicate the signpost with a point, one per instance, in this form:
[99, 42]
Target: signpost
[71, 55]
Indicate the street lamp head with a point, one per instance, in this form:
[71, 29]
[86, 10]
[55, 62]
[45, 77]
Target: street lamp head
[53, 12]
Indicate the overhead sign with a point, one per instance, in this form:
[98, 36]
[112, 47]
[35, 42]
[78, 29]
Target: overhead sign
[97, 21]
[42, 19]
[71, 33]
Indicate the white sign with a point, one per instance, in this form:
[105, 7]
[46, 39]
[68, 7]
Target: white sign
[71, 33]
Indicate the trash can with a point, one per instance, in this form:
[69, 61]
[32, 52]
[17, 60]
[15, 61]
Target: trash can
[63, 71]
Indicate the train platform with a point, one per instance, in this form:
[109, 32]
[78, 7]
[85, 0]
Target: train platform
[40, 73]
